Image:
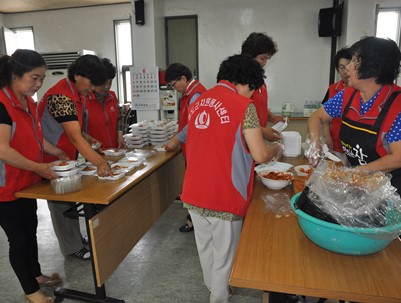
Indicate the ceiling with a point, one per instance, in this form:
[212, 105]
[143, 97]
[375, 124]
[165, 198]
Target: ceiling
[19, 6]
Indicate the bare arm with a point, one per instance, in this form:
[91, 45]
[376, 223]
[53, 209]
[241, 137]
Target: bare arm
[270, 134]
[259, 150]
[315, 123]
[387, 163]
[13, 158]
[120, 139]
[54, 150]
[73, 132]
[274, 118]
[326, 135]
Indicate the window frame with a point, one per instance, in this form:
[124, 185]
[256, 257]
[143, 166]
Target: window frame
[122, 96]
[390, 9]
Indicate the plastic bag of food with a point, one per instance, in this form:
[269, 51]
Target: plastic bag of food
[356, 198]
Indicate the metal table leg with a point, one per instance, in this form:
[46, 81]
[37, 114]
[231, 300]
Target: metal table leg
[100, 292]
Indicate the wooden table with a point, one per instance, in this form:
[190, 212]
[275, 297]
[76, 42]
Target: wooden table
[274, 255]
[129, 207]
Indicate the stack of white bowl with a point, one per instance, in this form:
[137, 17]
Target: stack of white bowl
[139, 136]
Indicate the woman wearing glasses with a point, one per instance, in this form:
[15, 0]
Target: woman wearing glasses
[369, 108]
[331, 131]
[179, 78]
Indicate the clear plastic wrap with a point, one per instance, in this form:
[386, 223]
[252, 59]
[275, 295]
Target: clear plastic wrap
[279, 204]
[280, 152]
[313, 151]
[365, 201]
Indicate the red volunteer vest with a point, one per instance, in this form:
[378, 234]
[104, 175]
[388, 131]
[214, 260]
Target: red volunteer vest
[219, 173]
[102, 119]
[26, 131]
[260, 99]
[335, 124]
[194, 88]
[67, 88]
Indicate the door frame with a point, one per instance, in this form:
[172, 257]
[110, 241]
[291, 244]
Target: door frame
[166, 20]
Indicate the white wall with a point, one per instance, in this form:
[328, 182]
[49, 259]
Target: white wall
[74, 29]
[298, 72]
[300, 69]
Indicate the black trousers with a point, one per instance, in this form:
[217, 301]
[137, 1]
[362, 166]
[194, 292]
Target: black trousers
[19, 220]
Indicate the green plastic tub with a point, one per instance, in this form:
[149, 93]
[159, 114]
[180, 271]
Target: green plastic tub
[342, 239]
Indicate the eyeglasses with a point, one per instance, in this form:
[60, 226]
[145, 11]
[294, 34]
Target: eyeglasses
[171, 85]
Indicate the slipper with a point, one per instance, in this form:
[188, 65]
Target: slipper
[186, 228]
[47, 281]
[83, 254]
[38, 297]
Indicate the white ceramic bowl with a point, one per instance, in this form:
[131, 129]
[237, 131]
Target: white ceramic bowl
[275, 184]
[301, 170]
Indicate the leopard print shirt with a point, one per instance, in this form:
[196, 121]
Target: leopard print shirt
[62, 108]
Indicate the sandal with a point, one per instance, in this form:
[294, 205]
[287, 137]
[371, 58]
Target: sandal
[47, 281]
[83, 254]
[38, 297]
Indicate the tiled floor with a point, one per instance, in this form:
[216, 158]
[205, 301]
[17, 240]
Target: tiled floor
[162, 268]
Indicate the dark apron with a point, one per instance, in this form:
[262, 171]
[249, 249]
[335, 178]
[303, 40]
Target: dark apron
[359, 140]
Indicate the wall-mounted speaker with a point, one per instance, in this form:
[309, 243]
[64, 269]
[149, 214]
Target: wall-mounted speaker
[139, 12]
[330, 22]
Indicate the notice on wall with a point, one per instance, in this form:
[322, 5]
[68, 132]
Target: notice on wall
[145, 88]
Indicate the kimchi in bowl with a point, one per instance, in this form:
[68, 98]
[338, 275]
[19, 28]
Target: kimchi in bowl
[276, 179]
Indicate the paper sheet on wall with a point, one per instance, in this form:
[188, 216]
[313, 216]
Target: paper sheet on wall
[145, 88]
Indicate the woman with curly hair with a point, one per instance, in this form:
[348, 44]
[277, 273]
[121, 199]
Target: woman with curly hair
[223, 142]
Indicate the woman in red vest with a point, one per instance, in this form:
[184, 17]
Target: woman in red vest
[179, 78]
[62, 125]
[104, 117]
[21, 76]
[261, 48]
[223, 142]
[331, 131]
[370, 109]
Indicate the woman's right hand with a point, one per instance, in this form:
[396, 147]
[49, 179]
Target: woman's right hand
[44, 170]
[104, 169]
[173, 144]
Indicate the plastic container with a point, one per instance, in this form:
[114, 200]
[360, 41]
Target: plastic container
[66, 173]
[292, 143]
[65, 185]
[339, 238]
[62, 165]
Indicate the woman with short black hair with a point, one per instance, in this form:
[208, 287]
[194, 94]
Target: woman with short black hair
[370, 109]
[21, 76]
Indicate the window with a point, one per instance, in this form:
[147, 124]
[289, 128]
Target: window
[19, 38]
[389, 26]
[123, 43]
